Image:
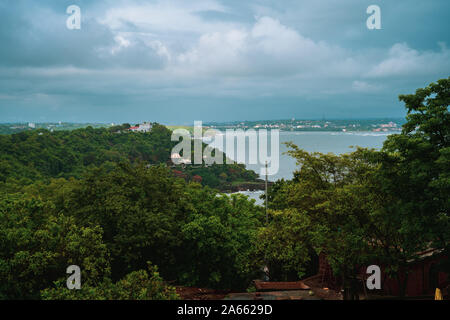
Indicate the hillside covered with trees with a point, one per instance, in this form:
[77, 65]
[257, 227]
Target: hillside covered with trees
[36, 155]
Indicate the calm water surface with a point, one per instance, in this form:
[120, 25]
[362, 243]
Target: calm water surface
[325, 142]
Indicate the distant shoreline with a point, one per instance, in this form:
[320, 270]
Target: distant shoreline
[382, 125]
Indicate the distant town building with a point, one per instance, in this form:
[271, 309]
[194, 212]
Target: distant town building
[31, 125]
[388, 125]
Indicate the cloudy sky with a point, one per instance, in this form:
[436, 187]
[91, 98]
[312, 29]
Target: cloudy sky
[214, 60]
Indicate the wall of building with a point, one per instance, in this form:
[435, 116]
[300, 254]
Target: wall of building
[423, 278]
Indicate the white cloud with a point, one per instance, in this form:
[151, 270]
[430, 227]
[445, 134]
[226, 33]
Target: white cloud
[266, 48]
[403, 61]
[363, 86]
[165, 16]
[121, 42]
[194, 49]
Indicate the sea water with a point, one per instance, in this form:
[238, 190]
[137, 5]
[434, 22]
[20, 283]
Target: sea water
[325, 142]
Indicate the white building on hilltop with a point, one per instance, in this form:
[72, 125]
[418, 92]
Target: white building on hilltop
[144, 127]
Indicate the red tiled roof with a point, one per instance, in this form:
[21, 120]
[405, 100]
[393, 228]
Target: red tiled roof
[294, 285]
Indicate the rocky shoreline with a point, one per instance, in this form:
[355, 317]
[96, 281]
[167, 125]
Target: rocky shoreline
[246, 186]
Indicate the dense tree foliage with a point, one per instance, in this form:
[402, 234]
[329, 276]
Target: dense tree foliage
[138, 285]
[284, 246]
[224, 176]
[115, 219]
[42, 154]
[419, 158]
[370, 207]
[35, 155]
[38, 245]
